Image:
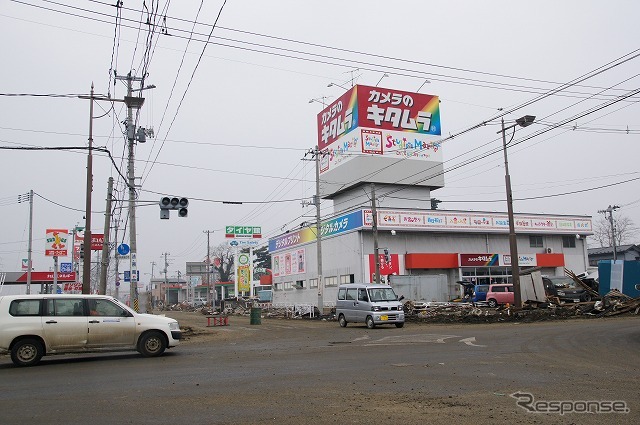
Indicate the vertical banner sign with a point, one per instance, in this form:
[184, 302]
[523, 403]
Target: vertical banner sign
[56, 244]
[244, 273]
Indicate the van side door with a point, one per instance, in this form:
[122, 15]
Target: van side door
[363, 306]
[110, 326]
[64, 324]
[351, 302]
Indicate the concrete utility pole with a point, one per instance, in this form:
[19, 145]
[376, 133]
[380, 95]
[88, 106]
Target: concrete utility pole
[86, 265]
[319, 233]
[105, 246]
[374, 212]
[132, 103]
[208, 232]
[30, 249]
[166, 279]
[610, 210]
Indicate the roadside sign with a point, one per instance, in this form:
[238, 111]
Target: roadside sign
[56, 243]
[243, 242]
[123, 249]
[66, 267]
[243, 232]
[97, 240]
[127, 275]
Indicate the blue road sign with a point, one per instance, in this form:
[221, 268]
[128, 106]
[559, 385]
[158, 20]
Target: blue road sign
[123, 249]
[66, 268]
[127, 275]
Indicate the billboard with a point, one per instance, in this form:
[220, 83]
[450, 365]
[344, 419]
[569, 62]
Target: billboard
[374, 129]
[56, 244]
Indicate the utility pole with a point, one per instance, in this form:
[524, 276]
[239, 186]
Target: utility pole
[208, 232]
[105, 246]
[132, 102]
[317, 153]
[166, 279]
[86, 265]
[374, 212]
[610, 210]
[117, 258]
[23, 198]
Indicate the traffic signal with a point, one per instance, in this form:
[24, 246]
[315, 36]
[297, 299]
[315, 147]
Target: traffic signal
[173, 203]
[434, 203]
[82, 250]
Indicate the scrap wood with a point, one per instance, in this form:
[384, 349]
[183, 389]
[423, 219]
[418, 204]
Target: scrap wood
[579, 281]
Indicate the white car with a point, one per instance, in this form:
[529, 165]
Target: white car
[32, 326]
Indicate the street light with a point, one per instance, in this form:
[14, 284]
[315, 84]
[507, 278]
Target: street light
[383, 75]
[513, 243]
[319, 100]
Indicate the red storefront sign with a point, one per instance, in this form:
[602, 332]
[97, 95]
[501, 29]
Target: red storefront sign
[97, 240]
[48, 277]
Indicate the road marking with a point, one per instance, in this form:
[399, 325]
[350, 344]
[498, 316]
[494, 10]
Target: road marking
[471, 341]
[411, 339]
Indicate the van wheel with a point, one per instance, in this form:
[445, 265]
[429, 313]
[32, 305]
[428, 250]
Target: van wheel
[27, 352]
[492, 303]
[342, 321]
[152, 344]
[370, 323]
[399, 325]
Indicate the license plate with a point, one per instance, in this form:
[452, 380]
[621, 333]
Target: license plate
[576, 301]
[385, 317]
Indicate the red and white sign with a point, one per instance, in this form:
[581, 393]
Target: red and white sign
[48, 277]
[56, 243]
[386, 268]
[97, 241]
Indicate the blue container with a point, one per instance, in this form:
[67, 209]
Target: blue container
[609, 275]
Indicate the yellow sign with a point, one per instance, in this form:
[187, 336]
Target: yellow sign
[244, 279]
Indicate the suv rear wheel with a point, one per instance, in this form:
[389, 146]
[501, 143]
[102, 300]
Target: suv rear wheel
[342, 321]
[492, 303]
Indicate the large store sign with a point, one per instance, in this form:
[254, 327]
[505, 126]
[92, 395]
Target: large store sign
[386, 267]
[478, 222]
[372, 129]
[378, 109]
[332, 227]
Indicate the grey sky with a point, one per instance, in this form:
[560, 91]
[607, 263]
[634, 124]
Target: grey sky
[246, 121]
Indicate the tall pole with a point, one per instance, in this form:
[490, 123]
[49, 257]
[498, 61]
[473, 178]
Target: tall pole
[208, 232]
[610, 210]
[30, 250]
[513, 242]
[105, 246]
[86, 265]
[374, 212]
[319, 235]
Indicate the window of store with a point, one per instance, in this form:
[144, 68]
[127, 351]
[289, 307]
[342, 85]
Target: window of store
[313, 283]
[487, 275]
[299, 284]
[277, 286]
[569, 241]
[535, 241]
[288, 285]
[331, 281]
[347, 278]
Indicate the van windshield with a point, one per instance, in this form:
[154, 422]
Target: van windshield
[382, 294]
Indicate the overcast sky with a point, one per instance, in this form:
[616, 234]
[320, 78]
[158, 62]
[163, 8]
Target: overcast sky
[233, 121]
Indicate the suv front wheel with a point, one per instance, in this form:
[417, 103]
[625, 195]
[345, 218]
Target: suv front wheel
[492, 303]
[27, 352]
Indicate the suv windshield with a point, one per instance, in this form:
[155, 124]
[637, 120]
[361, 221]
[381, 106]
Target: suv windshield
[382, 294]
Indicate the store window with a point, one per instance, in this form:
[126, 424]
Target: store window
[313, 283]
[331, 281]
[287, 285]
[569, 241]
[535, 241]
[347, 278]
[299, 284]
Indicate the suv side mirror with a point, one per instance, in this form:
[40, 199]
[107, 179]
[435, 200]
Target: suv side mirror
[401, 298]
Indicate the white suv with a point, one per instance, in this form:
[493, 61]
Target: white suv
[38, 325]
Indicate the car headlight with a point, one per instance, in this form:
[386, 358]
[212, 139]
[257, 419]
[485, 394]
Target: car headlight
[174, 326]
[375, 308]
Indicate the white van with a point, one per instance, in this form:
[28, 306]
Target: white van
[36, 325]
[368, 303]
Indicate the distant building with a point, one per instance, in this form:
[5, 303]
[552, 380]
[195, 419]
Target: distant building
[624, 252]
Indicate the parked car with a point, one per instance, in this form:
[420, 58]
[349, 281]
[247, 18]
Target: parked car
[370, 304]
[479, 293]
[37, 325]
[199, 302]
[565, 288]
[500, 293]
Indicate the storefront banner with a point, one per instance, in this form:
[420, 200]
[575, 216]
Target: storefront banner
[471, 221]
[332, 227]
[478, 260]
[337, 119]
[289, 263]
[386, 268]
[244, 278]
[526, 260]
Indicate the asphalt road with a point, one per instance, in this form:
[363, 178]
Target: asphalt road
[298, 372]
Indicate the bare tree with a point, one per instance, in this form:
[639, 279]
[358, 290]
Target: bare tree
[223, 261]
[625, 231]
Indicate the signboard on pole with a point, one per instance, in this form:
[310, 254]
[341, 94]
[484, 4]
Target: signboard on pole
[56, 244]
[97, 240]
[243, 232]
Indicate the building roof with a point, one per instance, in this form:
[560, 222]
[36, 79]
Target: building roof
[609, 249]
